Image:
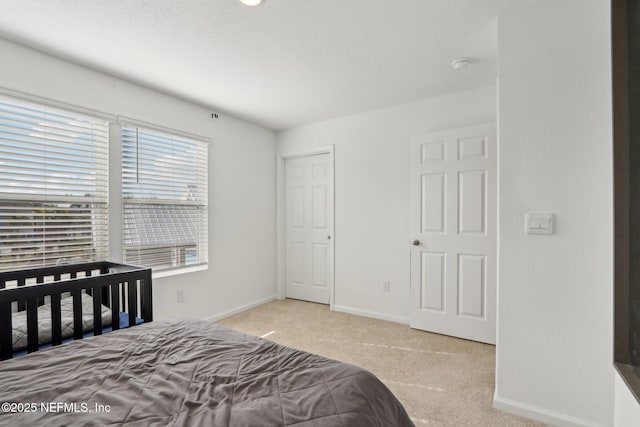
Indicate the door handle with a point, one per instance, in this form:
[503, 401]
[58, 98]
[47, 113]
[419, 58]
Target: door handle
[416, 242]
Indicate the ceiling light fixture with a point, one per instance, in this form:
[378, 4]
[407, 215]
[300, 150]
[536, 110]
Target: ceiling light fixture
[251, 2]
[460, 63]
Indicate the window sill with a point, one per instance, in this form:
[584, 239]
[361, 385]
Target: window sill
[631, 376]
[178, 271]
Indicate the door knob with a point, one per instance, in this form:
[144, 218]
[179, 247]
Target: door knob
[416, 242]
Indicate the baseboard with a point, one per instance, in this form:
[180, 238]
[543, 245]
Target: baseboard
[229, 313]
[539, 414]
[372, 314]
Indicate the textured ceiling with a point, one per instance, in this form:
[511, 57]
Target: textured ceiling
[283, 64]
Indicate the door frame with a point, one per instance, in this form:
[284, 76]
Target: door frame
[281, 158]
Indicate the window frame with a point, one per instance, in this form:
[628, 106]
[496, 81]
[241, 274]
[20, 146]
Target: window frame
[114, 169]
[25, 100]
[623, 34]
[123, 121]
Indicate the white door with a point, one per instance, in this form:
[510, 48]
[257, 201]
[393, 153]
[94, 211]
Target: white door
[453, 232]
[309, 225]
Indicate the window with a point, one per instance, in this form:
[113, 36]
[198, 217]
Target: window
[164, 190]
[53, 186]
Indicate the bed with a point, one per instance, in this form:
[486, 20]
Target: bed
[189, 372]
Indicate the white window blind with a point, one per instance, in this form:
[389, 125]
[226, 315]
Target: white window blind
[164, 189]
[53, 186]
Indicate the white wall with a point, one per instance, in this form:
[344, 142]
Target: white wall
[241, 179]
[554, 352]
[372, 192]
[627, 409]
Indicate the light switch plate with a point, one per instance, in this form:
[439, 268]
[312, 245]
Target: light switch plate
[539, 223]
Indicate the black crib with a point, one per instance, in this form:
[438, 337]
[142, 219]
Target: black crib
[122, 288]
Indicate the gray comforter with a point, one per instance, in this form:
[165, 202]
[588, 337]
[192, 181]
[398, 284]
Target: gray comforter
[190, 373]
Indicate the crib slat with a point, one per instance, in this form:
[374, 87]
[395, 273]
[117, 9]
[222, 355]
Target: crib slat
[40, 279]
[32, 324]
[97, 312]
[115, 306]
[21, 304]
[146, 297]
[6, 331]
[77, 313]
[56, 320]
[132, 292]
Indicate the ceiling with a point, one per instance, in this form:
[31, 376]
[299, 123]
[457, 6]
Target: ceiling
[283, 64]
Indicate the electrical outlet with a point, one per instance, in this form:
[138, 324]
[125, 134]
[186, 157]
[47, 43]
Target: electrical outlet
[180, 295]
[386, 286]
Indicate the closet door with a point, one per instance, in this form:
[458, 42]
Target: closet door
[308, 216]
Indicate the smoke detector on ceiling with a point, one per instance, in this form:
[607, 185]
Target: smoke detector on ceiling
[460, 63]
[251, 2]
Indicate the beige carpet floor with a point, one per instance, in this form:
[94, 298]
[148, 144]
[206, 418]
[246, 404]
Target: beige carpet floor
[440, 380]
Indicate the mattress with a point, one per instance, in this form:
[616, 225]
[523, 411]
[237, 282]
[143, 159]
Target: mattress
[190, 372]
[19, 321]
[123, 321]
